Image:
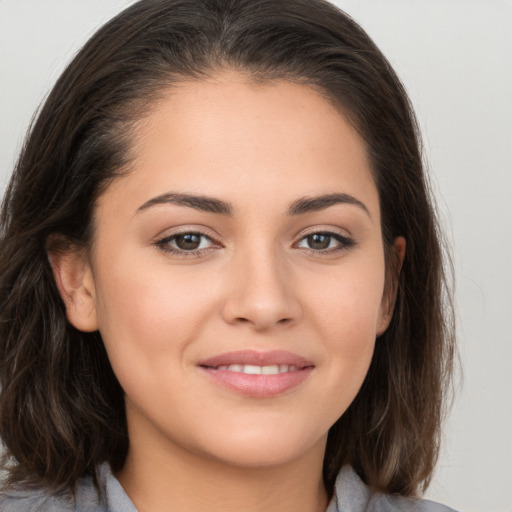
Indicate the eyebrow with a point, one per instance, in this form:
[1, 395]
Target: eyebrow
[318, 203]
[202, 203]
[213, 205]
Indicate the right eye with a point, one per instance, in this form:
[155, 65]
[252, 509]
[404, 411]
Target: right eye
[189, 243]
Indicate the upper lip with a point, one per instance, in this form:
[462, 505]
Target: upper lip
[257, 358]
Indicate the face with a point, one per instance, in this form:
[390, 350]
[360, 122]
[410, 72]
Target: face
[237, 272]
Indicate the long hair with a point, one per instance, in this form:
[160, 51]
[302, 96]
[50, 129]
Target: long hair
[61, 406]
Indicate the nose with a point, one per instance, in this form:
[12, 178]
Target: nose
[261, 292]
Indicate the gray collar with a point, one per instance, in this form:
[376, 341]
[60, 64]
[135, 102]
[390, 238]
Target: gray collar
[350, 495]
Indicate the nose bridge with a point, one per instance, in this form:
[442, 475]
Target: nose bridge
[260, 291]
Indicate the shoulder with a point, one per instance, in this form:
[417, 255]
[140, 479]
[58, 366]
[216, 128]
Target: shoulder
[35, 500]
[386, 503]
[352, 494]
[38, 499]
[108, 496]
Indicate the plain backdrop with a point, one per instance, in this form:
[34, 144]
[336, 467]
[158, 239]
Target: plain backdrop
[455, 58]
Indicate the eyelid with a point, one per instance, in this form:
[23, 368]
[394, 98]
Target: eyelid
[187, 228]
[162, 240]
[346, 241]
[326, 229]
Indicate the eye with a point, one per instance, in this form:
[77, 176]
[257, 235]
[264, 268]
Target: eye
[325, 242]
[186, 243]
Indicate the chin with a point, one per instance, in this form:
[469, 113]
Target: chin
[266, 449]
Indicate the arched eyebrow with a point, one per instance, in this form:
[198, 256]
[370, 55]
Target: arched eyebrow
[318, 203]
[203, 203]
[213, 205]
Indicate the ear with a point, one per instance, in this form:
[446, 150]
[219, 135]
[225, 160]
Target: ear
[74, 279]
[394, 265]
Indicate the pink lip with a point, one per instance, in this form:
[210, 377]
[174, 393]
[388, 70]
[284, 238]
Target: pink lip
[258, 386]
[269, 358]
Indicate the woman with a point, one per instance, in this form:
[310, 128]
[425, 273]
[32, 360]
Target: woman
[221, 276]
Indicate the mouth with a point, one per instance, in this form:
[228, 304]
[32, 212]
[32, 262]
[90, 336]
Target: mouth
[257, 374]
[251, 369]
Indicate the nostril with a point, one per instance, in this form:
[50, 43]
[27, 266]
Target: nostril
[261, 307]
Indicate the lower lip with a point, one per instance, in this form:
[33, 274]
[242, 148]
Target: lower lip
[258, 386]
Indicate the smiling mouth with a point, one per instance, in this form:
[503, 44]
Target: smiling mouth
[251, 369]
[257, 374]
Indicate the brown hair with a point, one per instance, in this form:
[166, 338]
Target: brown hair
[61, 407]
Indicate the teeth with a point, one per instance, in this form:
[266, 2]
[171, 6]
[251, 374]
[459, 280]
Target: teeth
[251, 369]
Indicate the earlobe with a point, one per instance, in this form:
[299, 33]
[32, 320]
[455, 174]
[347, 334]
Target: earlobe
[394, 265]
[75, 283]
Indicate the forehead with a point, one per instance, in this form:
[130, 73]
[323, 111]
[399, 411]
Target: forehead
[229, 133]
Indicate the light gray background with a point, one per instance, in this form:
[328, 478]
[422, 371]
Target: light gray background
[455, 58]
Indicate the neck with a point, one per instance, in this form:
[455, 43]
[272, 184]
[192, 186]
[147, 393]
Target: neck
[161, 480]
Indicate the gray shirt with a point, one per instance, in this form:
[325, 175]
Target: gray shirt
[350, 495]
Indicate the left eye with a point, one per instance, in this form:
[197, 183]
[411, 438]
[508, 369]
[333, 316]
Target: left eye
[186, 242]
[323, 241]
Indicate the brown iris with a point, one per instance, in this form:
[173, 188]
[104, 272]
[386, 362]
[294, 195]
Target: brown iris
[319, 241]
[188, 241]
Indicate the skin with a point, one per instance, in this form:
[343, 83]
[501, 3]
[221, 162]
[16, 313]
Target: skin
[254, 283]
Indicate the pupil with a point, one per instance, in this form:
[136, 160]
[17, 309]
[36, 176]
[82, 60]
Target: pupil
[190, 241]
[319, 241]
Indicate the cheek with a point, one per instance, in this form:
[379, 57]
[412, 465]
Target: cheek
[349, 300]
[147, 313]
[346, 310]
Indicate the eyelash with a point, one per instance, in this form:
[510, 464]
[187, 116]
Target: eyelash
[164, 244]
[344, 243]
